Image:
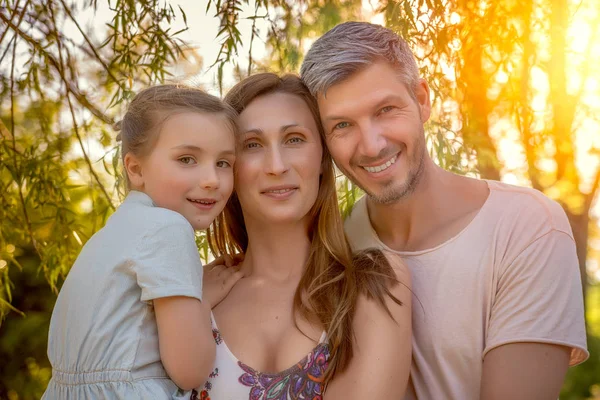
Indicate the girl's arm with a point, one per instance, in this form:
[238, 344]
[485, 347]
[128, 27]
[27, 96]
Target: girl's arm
[187, 346]
[382, 347]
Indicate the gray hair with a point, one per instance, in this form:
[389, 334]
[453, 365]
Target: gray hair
[351, 47]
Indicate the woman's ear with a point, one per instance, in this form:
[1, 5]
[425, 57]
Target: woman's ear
[134, 171]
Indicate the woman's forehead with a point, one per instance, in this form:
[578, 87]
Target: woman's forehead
[279, 109]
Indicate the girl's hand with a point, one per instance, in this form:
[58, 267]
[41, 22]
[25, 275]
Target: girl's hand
[227, 260]
[217, 282]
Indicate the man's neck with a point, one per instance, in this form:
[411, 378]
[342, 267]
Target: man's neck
[441, 205]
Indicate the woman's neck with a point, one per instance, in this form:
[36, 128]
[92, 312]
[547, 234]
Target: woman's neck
[276, 252]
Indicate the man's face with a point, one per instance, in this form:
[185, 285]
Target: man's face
[374, 131]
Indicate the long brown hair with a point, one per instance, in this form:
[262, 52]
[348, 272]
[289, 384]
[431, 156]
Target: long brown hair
[332, 278]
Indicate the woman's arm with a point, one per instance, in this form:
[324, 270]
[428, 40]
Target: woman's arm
[187, 346]
[382, 347]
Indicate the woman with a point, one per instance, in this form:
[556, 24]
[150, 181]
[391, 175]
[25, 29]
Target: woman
[307, 320]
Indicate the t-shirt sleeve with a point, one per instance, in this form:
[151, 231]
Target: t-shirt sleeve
[538, 298]
[168, 262]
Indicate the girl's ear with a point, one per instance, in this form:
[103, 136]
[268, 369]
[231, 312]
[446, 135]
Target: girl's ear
[134, 171]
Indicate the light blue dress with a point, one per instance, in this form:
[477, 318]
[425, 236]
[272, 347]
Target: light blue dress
[103, 340]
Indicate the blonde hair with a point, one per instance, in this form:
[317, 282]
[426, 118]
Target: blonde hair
[153, 106]
[333, 278]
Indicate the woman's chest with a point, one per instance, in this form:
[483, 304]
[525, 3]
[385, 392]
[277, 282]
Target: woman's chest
[264, 334]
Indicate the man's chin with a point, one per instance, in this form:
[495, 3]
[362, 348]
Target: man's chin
[389, 195]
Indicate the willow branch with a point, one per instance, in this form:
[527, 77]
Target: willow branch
[18, 175]
[11, 18]
[252, 39]
[74, 118]
[52, 61]
[89, 43]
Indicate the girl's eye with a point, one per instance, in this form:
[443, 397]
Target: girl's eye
[341, 125]
[187, 160]
[223, 164]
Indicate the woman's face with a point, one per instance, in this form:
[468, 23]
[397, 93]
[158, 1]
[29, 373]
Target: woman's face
[278, 163]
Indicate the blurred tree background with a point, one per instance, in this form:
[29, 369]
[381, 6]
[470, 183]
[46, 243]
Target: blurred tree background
[516, 97]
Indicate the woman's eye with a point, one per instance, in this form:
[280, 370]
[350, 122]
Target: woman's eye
[341, 125]
[187, 160]
[295, 140]
[251, 145]
[386, 109]
[223, 164]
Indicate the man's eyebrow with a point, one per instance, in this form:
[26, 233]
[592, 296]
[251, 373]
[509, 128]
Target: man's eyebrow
[386, 99]
[333, 118]
[389, 98]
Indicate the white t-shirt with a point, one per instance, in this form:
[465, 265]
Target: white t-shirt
[511, 275]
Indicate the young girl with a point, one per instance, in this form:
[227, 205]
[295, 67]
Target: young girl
[129, 322]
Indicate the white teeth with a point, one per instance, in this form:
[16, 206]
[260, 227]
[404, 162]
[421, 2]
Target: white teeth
[203, 201]
[382, 167]
[279, 191]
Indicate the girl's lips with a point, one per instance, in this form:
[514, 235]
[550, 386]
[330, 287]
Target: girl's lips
[203, 204]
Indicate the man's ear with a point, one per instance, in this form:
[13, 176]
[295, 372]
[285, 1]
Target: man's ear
[423, 99]
[133, 169]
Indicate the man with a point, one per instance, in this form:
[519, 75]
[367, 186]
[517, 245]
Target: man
[498, 300]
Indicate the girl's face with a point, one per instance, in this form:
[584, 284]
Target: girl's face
[190, 168]
[279, 159]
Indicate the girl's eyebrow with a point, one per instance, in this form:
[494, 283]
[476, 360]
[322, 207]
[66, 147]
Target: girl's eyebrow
[192, 147]
[189, 147]
[228, 153]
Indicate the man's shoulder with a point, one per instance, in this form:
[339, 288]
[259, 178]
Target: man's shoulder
[358, 227]
[526, 207]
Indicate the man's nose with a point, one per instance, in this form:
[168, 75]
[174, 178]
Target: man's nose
[372, 141]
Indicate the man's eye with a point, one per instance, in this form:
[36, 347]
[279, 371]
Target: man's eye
[386, 109]
[341, 125]
[187, 160]
[223, 164]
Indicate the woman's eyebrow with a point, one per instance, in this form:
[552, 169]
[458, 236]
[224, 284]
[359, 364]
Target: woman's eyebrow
[288, 126]
[257, 131]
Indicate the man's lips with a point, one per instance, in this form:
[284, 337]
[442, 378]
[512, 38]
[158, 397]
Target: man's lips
[382, 165]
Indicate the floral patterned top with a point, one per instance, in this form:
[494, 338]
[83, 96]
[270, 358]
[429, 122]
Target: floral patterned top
[231, 379]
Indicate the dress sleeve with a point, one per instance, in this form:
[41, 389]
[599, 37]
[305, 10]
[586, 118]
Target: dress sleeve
[538, 298]
[168, 262]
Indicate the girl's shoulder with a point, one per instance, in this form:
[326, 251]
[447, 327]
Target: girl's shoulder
[139, 209]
